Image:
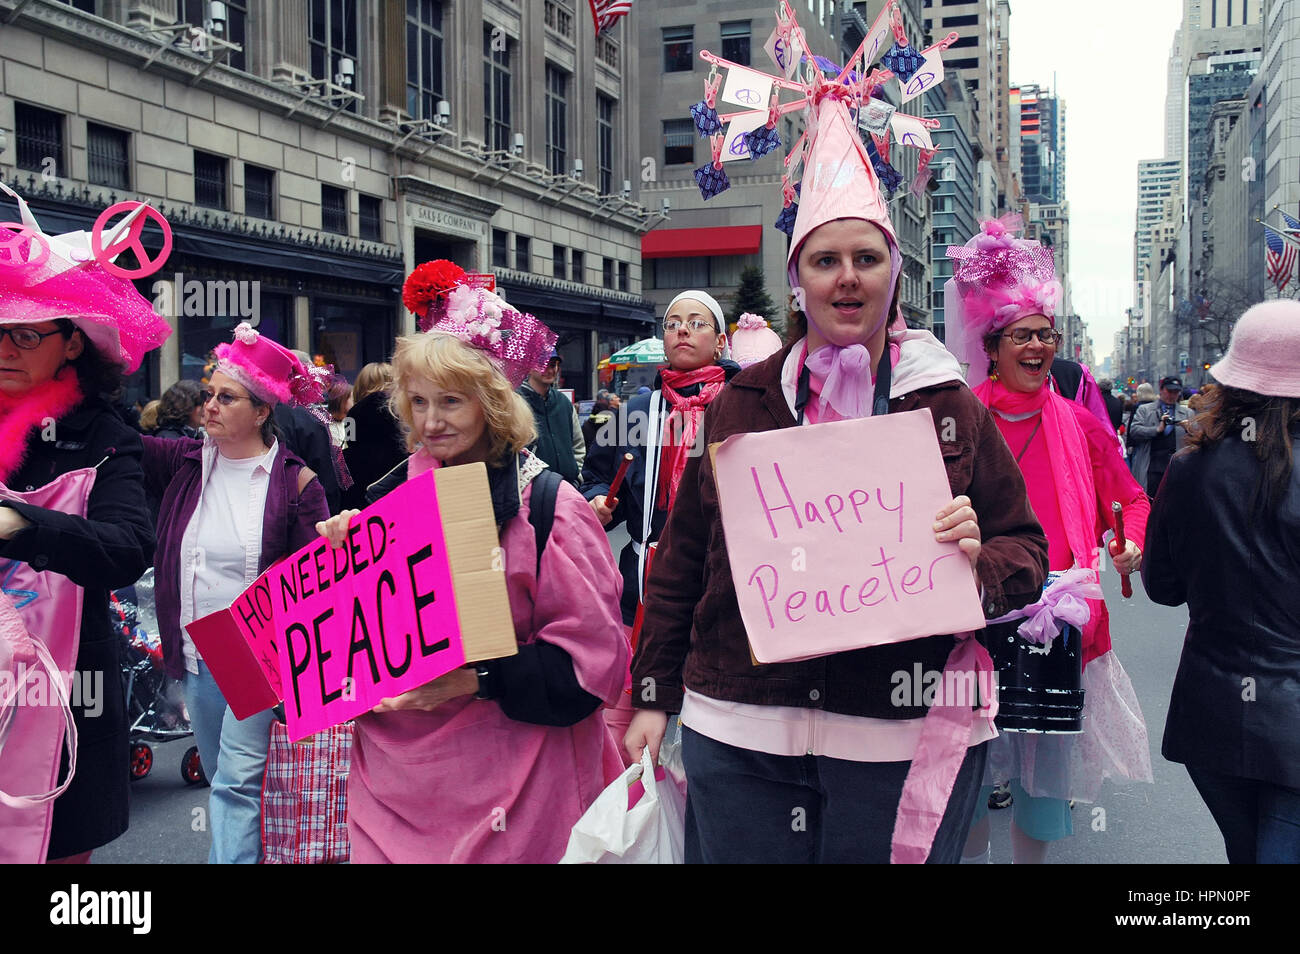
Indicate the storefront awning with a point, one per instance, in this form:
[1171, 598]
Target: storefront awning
[688, 243]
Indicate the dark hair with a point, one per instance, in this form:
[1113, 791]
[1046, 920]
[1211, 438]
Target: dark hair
[98, 376]
[1226, 411]
[796, 322]
[178, 403]
[270, 431]
[338, 391]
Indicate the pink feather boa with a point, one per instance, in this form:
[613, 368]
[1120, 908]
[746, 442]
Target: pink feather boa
[20, 414]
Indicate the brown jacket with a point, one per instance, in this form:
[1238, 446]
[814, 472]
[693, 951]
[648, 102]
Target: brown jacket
[693, 632]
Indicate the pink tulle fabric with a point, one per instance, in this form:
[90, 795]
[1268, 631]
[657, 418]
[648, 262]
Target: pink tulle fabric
[515, 342]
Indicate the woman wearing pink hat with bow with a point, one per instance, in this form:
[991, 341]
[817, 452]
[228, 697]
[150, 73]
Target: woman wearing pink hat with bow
[232, 505]
[1223, 539]
[823, 734]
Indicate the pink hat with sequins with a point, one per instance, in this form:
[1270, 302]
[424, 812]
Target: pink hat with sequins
[516, 343]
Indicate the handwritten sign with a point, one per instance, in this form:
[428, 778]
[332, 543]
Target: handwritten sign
[417, 590]
[746, 88]
[733, 146]
[784, 51]
[909, 131]
[928, 75]
[841, 555]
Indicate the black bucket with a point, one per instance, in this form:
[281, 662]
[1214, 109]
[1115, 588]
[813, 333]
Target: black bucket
[1037, 691]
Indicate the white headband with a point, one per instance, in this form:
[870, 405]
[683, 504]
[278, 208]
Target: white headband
[704, 298]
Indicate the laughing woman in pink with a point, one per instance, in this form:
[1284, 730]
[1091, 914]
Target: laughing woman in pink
[493, 763]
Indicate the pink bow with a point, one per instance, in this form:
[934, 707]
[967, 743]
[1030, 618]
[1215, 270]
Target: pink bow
[1064, 600]
[848, 388]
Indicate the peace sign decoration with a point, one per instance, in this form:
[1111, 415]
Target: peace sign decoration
[16, 242]
[126, 235]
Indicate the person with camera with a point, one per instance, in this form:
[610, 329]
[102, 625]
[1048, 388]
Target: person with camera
[1158, 431]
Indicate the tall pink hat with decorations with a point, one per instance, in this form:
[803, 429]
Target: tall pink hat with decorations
[448, 303]
[270, 371]
[73, 276]
[997, 280]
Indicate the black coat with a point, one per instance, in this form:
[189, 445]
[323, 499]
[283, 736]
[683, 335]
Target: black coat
[109, 548]
[626, 434]
[309, 439]
[1236, 699]
[375, 447]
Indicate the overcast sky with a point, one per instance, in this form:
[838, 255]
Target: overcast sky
[1108, 59]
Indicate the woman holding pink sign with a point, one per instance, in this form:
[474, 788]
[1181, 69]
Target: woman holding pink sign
[495, 762]
[73, 526]
[1003, 300]
[232, 505]
[818, 760]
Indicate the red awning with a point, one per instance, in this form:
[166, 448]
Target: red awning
[686, 243]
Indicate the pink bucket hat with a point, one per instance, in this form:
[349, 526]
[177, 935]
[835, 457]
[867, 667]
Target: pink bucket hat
[1264, 353]
[51, 277]
[268, 370]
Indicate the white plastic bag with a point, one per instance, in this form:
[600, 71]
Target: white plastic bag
[650, 831]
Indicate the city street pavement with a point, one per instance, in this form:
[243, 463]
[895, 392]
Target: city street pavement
[1138, 824]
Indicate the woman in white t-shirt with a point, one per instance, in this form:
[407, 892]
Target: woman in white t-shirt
[233, 504]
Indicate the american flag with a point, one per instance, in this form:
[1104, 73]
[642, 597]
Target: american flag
[605, 12]
[1292, 225]
[1280, 258]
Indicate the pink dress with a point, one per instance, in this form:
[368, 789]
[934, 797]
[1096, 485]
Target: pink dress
[466, 784]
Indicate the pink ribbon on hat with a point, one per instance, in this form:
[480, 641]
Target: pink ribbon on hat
[847, 386]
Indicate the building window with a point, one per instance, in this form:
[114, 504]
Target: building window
[679, 141]
[496, 90]
[40, 139]
[559, 264]
[604, 144]
[969, 19]
[735, 42]
[424, 81]
[334, 209]
[557, 119]
[607, 273]
[259, 192]
[679, 49]
[370, 218]
[85, 6]
[500, 241]
[579, 267]
[194, 12]
[623, 276]
[332, 38]
[107, 152]
[523, 254]
[210, 180]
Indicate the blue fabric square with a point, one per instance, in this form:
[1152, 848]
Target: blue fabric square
[711, 180]
[706, 118]
[890, 178]
[761, 141]
[903, 60]
[785, 221]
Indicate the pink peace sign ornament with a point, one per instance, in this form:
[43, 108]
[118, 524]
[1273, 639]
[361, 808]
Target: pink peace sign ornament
[119, 240]
[12, 252]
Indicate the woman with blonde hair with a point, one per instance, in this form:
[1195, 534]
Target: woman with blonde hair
[494, 762]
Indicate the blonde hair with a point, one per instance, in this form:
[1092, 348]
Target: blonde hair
[373, 377]
[149, 416]
[453, 365]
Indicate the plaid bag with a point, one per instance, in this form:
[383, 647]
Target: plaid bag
[305, 797]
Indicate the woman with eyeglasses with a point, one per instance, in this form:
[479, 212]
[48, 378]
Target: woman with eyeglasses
[660, 431]
[1003, 300]
[232, 505]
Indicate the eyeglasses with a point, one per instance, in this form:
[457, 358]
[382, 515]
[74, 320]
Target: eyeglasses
[29, 339]
[225, 399]
[1048, 336]
[696, 325]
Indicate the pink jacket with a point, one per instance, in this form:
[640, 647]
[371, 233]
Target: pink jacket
[465, 783]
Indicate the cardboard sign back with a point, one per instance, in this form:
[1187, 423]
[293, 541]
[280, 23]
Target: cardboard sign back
[830, 535]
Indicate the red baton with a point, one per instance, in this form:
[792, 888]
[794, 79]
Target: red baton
[1125, 585]
[611, 498]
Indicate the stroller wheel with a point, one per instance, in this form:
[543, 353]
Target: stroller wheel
[141, 760]
[191, 768]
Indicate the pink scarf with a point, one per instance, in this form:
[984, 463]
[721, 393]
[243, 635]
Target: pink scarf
[1068, 452]
[683, 422]
[843, 381]
[20, 414]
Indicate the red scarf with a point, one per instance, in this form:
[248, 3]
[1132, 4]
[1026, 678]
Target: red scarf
[683, 422]
[20, 414]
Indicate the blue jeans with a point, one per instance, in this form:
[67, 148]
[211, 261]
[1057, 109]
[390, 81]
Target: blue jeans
[1260, 821]
[233, 753]
[750, 807]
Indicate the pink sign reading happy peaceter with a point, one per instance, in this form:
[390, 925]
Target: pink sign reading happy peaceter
[830, 534]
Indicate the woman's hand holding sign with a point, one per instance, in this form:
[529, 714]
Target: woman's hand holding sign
[335, 529]
[957, 523]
